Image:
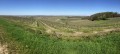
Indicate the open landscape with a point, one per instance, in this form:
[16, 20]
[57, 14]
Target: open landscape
[61, 32]
[59, 35]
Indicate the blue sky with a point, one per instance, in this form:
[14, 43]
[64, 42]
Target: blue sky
[57, 7]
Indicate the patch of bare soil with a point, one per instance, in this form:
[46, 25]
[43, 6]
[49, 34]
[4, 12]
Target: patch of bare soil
[106, 30]
[3, 49]
[77, 33]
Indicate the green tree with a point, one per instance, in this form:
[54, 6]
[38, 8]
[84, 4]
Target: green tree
[103, 15]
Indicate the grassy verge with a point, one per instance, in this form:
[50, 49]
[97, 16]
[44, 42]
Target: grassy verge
[24, 42]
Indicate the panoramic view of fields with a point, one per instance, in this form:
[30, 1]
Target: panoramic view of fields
[25, 31]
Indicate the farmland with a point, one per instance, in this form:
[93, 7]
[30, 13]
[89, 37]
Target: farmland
[59, 35]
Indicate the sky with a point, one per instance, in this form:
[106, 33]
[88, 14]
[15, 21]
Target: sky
[57, 7]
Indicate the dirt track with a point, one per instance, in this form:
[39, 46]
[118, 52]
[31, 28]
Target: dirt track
[3, 47]
[50, 29]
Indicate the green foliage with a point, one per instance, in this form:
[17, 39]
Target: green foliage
[103, 15]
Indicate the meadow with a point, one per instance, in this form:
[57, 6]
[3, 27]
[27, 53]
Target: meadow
[59, 35]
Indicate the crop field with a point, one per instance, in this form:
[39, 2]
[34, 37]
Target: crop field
[58, 35]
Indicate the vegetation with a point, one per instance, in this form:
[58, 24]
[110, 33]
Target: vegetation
[104, 15]
[25, 35]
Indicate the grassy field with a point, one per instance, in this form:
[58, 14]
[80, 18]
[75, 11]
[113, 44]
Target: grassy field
[60, 36]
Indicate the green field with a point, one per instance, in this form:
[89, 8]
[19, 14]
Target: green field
[59, 35]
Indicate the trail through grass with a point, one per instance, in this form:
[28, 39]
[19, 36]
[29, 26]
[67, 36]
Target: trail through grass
[77, 34]
[24, 42]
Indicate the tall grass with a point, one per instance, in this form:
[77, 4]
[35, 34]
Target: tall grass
[24, 42]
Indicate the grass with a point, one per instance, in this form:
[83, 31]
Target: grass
[83, 25]
[22, 41]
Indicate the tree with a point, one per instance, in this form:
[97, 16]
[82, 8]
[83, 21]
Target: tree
[103, 15]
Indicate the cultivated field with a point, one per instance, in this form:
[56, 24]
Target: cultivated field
[59, 35]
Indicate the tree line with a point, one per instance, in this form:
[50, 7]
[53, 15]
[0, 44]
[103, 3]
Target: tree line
[103, 16]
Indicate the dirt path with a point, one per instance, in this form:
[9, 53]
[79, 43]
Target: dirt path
[50, 29]
[3, 47]
[106, 30]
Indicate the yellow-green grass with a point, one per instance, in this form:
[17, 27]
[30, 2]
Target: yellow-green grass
[22, 41]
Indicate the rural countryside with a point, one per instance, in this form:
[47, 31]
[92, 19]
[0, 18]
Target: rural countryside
[59, 26]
